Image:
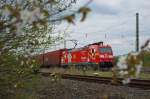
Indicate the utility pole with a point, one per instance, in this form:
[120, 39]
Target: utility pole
[137, 32]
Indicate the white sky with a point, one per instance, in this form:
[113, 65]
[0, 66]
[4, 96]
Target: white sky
[111, 21]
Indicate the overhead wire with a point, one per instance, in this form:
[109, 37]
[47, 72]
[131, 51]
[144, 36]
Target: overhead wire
[114, 27]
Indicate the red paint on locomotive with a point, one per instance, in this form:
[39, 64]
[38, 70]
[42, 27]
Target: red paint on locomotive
[96, 53]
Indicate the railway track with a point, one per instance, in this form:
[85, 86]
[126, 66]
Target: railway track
[136, 83]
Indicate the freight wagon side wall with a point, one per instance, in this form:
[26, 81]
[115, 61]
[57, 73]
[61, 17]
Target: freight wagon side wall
[52, 58]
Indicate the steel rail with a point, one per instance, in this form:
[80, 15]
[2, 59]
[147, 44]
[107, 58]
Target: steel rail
[135, 83]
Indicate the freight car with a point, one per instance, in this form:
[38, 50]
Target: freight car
[96, 56]
[51, 59]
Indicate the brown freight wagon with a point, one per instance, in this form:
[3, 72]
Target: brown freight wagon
[52, 58]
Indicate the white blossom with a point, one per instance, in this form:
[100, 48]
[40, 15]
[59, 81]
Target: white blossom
[122, 73]
[22, 62]
[19, 28]
[25, 16]
[122, 64]
[30, 16]
[37, 14]
[26, 56]
[17, 58]
[122, 67]
[31, 66]
[19, 1]
[138, 69]
[5, 12]
[27, 62]
[126, 80]
[13, 20]
[15, 85]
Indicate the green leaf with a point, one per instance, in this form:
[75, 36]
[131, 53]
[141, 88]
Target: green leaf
[84, 11]
[70, 18]
[52, 1]
[46, 13]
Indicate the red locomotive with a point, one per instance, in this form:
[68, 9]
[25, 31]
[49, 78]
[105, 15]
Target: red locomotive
[96, 55]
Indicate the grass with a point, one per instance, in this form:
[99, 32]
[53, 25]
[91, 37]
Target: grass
[146, 59]
[145, 76]
[75, 71]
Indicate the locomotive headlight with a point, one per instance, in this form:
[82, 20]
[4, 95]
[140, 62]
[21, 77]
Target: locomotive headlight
[101, 56]
[110, 56]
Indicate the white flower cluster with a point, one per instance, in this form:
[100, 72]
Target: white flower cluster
[122, 64]
[5, 12]
[31, 16]
[26, 17]
[138, 70]
[123, 67]
[138, 66]
[126, 81]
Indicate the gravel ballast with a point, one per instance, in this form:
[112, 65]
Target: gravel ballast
[71, 89]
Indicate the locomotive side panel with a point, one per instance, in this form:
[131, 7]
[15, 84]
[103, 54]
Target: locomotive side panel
[80, 56]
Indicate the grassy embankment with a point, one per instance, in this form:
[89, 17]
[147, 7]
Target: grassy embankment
[75, 71]
[145, 58]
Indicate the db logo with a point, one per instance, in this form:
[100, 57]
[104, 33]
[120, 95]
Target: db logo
[92, 53]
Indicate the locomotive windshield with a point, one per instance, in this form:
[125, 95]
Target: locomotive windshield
[105, 49]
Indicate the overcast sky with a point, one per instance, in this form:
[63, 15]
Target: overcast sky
[113, 22]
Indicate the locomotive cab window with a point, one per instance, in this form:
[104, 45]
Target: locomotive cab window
[105, 49]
